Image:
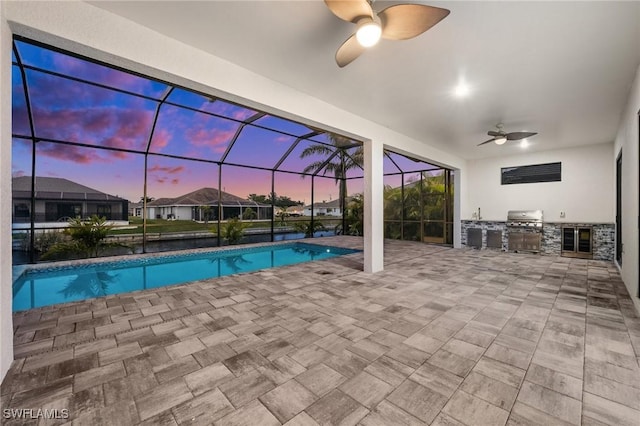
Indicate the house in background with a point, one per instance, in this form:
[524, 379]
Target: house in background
[325, 208]
[135, 209]
[57, 200]
[202, 205]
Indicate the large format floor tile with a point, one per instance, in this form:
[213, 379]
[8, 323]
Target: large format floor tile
[442, 336]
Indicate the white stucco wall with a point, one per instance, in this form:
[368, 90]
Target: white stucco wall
[627, 142]
[6, 332]
[584, 193]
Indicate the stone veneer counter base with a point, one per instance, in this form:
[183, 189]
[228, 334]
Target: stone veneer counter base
[604, 236]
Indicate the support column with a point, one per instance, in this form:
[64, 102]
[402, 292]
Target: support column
[6, 295]
[373, 207]
[457, 208]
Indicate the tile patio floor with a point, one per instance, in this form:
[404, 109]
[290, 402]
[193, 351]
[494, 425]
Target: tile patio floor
[442, 336]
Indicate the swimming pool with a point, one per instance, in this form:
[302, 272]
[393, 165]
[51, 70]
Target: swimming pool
[36, 288]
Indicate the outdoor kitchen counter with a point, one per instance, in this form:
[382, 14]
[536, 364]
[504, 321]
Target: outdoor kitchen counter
[603, 235]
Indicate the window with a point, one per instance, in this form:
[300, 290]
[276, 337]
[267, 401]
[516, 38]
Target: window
[61, 212]
[104, 210]
[21, 210]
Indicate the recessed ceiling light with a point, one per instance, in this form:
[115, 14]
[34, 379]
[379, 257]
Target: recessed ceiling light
[462, 90]
[524, 144]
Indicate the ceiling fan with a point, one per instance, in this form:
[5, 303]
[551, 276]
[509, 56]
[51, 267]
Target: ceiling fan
[398, 22]
[500, 136]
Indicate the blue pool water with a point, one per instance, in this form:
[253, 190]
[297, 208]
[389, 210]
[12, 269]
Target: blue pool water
[66, 284]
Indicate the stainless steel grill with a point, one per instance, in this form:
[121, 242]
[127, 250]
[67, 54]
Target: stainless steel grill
[525, 230]
[525, 219]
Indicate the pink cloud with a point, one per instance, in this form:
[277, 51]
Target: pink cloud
[74, 154]
[213, 138]
[110, 127]
[165, 169]
[18, 173]
[161, 138]
[283, 139]
[19, 117]
[229, 110]
[243, 114]
[55, 92]
[161, 174]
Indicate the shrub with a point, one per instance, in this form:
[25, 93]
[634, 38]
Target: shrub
[233, 230]
[47, 239]
[85, 239]
[282, 215]
[249, 214]
[308, 229]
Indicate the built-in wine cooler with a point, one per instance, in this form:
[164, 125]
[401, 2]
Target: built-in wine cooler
[577, 241]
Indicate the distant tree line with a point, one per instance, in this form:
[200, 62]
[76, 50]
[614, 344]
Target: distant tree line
[281, 201]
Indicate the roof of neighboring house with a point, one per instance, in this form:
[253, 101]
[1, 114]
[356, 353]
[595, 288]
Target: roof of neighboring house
[333, 204]
[57, 189]
[204, 196]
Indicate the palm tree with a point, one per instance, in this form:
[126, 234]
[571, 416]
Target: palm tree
[205, 212]
[339, 163]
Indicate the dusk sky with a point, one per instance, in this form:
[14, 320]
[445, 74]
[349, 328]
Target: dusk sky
[77, 112]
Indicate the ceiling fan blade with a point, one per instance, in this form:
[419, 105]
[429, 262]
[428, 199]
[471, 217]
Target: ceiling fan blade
[350, 10]
[349, 51]
[404, 21]
[490, 140]
[514, 136]
[494, 133]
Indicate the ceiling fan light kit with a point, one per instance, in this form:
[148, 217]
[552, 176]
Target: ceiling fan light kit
[500, 140]
[397, 22]
[368, 33]
[499, 136]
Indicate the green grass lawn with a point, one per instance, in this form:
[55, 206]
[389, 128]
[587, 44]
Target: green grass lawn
[166, 226]
[163, 226]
